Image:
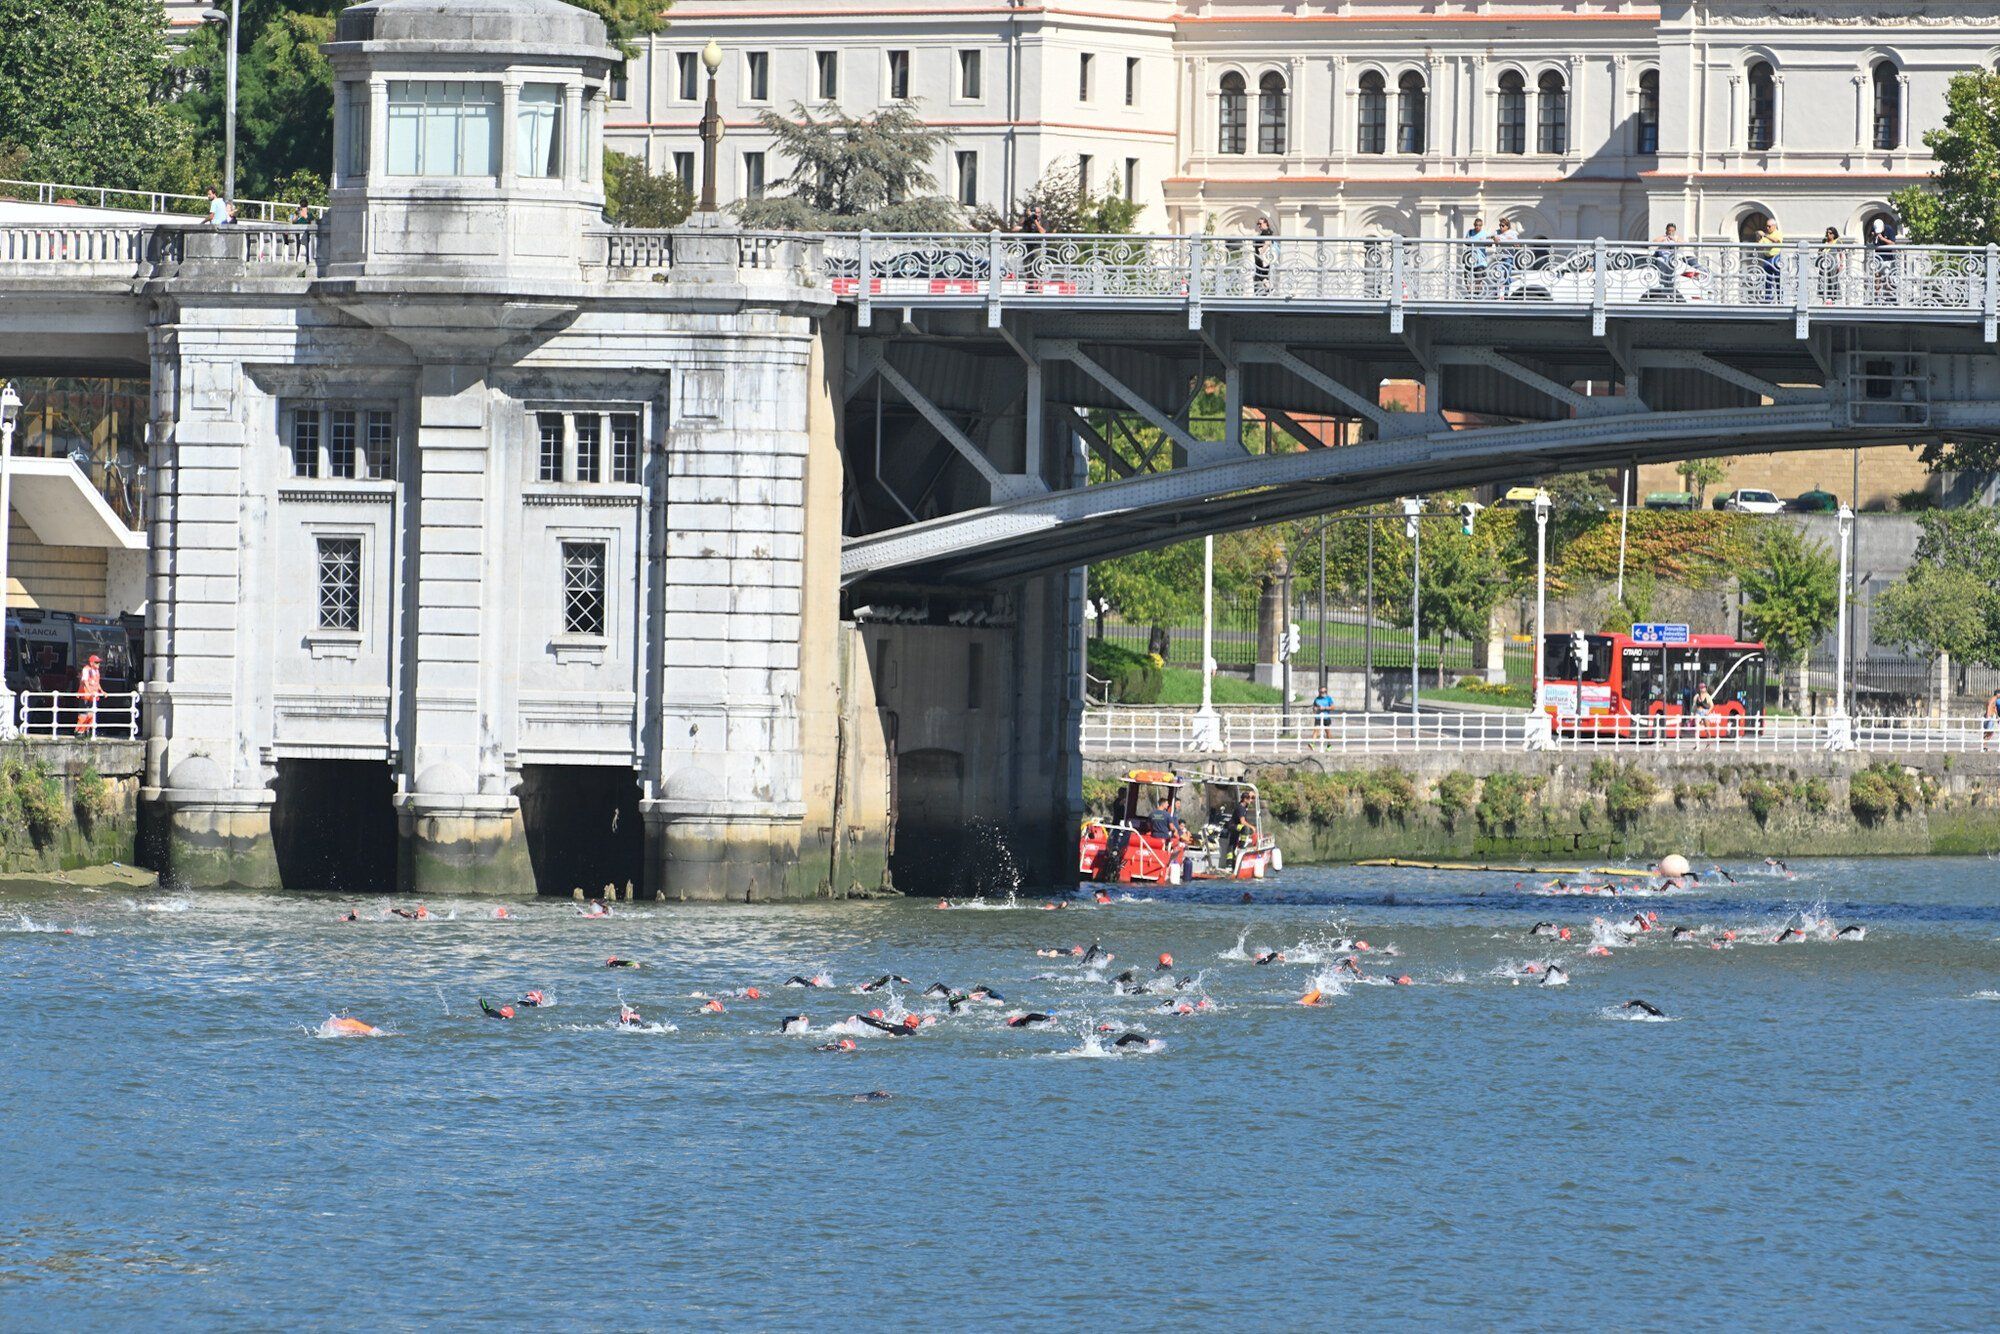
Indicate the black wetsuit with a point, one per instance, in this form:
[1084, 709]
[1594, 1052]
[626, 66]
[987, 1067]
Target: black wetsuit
[796, 981]
[1032, 1017]
[1272, 957]
[490, 1012]
[1133, 1040]
[616, 962]
[883, 1024]
[1647, 1006]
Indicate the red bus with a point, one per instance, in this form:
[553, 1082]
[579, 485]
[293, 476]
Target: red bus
[1612, 685]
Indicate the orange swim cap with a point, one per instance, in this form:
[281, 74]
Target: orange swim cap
[506, 1012]
[1360, 944]
[751, 993]
[1166, 961]
[714, 1006]
[1562, 933]
[1311, 997]
[1404, 980]
[912, 1023]
[499, 912]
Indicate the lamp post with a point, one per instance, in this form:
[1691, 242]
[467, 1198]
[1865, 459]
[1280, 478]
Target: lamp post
[1838, 725]
[1413, 506]
[711, 127]
[10, 412]
[231, 20]
[1206, 732]
[1541, 600]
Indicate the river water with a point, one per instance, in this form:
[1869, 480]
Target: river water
[1808, 1137]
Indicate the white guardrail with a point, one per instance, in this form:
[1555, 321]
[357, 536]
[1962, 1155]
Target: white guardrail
[62, 715]
[1794, 278]
[1261, 731]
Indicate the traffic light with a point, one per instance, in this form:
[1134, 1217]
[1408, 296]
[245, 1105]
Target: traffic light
[1412, 507]
[1468, 510]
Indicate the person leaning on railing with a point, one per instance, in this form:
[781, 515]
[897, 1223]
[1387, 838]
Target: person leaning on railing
[1829, 266]
[1771, 245]
[1881, 241]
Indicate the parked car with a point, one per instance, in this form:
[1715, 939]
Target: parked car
[1747, 500]
[1627, 278]
[1814, 502]
[1670, 500]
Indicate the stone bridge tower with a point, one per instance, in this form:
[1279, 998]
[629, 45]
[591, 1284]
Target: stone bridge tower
[486, 533]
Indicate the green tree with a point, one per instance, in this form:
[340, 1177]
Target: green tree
[1462, 578]
[1792, 595]
[626, 20]
[635, 197]
[1948, 605]
[1069, 205]
[83, 95]
[851, 173]
[1700, 474]
[1960, 204]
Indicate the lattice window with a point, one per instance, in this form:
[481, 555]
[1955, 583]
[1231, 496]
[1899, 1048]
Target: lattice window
[625, 447]
[340, 443]
[305, 442]
[550, 427]
[583, 588]
[340, 583]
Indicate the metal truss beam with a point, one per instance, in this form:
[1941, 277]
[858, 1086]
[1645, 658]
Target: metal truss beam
[1001, 485]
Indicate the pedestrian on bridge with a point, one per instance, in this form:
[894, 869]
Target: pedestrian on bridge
[1771, 243]
[1830, 263]
[1667, 259]
[1478, 254]
[1881, 241]
[1260, 257]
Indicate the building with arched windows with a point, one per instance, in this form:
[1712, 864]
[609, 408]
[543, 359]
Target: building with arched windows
[1593, 117]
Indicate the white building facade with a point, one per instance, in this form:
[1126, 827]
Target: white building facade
[1357, 116]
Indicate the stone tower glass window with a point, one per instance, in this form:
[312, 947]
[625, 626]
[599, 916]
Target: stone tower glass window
[357, 130]
[1888, 106]
[583, 588]
[538, 130]
[549, 433]
[625, 447]
[1271, 113]
[1412, 114]
[589, 446]
[1511, 128]
[1232, 113]
[444, 128]
[1763, 124]
[1371, 117]
[1552, 122]
[340, 583]
[1649, 111]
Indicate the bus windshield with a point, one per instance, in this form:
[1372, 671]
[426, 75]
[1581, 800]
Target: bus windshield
[1559, 658]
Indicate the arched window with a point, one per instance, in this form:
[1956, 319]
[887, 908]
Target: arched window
[1552, 114]
[1410, 113]
[1649, 112]
[1763, 124]
[1271, 113]
[1371, 115]
[1232, 115]
[1512, 127]
[1751, 225]
[1888, 106]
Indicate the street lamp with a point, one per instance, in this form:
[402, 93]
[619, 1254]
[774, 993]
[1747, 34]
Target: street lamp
[1207, 734]
[1413, 506]
[10, 413]
[711, 126]
[1838, 726]
[1541, 605]
[216, 18]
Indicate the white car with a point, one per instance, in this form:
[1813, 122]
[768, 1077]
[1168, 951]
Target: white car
[1751, 502]
[1627, 278]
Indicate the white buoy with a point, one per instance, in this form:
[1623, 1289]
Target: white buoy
[1673, 864]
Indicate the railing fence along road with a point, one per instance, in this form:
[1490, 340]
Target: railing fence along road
[50, 714]
[1261, 731]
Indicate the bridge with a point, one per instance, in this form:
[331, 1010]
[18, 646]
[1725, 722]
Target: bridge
[916, 418]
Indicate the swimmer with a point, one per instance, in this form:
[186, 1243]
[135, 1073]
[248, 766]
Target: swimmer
[816, 981]
[352, 1027]
[982, 992]
[793, 1024]
[1096, 952]
[1103, 897]
[1598, 952]
[1053, 906]
[1851, 933]
[1555, 977]
[1165, 965]
[1646, 1007]
[1773, 864]
[416, 914]
[1138, 1040]
[712, 1006]
[615, 962]
[352, 916]
[1351, 964]
[1404, 981]
[492, 1011]
[1683, 933]
[627, 1016]
[1031, 1017]
[1312, 997]
[1724, 874]
[1269, 957]
[882, 982]
[1059, 952]
[1246, 897]
[1542, 929]
[1640, 921]
[876, 1096]
[1789, 934]
[595, 908]
[910, 1024]
[534, 999]
[844, 1044]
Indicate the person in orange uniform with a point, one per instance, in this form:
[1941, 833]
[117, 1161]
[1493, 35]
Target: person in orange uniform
[90, 687]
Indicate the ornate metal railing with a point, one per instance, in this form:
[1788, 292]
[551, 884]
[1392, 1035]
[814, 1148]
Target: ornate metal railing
[1796, 278]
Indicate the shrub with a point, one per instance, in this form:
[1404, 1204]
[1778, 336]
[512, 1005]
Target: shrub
[1817, 796]
[1454, 795]
[1628, 790]
[40, 797]
[1325, 796]
[1134, 677]
[1387, 794]
[93, 798]
[1870, 797]
[1503, 801]
[1694, 794]
[1762, 797]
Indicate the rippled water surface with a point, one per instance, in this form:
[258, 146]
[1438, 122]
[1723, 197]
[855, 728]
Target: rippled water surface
[1808, 1137]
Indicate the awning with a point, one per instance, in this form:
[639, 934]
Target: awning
[64, 510]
